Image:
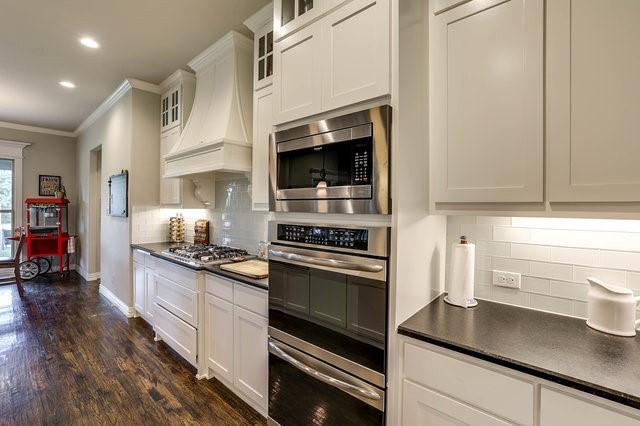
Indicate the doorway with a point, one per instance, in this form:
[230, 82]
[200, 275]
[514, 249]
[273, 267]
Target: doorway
[95, 213]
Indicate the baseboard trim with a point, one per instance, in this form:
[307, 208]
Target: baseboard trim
[93, 276]
[128, 311]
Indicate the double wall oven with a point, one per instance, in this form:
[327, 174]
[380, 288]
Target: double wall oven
[327, 324]
[337, 165]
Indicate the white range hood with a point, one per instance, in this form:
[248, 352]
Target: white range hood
[218, 134]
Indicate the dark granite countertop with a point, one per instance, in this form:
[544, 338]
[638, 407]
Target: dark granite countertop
[155, 249]
[553, 347]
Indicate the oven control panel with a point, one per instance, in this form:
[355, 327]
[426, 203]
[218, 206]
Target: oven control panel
[350, 238]
[361, 165]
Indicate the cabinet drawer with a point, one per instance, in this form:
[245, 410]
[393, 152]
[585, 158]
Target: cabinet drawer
[557, 408]
[251, 299]
[176, 333]
[140, 256]
[220, 287]
[497, 393]
[178, 274]
[422, 406]
[178, 300]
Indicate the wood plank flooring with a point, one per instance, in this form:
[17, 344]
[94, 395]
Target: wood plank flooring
[68, 356]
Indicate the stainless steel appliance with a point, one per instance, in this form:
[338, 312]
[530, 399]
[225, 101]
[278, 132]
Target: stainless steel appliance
[203, 255]
[337, 165]
[327, 324]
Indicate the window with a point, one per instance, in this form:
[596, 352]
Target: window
[6, 206]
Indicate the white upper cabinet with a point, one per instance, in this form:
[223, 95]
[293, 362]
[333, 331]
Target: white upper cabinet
[593, 112]
[297, 86]
[487, 102]
[175, 106]
[262, 127]
[356, 59]
[288, 15]
[337, 56]
[261, 24]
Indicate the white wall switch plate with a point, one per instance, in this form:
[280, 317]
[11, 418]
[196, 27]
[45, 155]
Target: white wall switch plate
[507, 279]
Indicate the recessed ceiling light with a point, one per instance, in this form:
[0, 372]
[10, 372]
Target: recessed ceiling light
[67, 84]
[89, 42]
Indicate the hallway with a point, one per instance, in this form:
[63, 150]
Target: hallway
[67, 356]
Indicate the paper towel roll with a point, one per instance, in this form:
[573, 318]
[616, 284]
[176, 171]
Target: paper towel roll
[462, 274]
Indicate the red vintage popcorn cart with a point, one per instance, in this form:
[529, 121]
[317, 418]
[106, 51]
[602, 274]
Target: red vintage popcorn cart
[46, 235]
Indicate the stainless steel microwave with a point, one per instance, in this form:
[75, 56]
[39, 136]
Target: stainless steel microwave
[337, 165]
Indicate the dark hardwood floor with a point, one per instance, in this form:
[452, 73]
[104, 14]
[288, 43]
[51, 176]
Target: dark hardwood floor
[67, 356]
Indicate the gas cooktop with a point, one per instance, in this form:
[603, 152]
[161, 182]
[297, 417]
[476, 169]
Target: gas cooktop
[201, 255]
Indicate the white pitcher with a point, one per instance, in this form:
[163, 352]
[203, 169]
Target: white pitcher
[612, 309]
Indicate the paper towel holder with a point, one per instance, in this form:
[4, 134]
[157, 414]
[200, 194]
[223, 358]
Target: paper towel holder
[462, 299]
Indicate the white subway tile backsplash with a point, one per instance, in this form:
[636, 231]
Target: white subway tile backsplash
[535, 285]
[512, 235]
[530, 252]
[553, 271]
[580, 275]
[633, 280]
[568, 290]
[554, 256]
[510, 265]
[551, 304]
[619, 260]
[573, 256]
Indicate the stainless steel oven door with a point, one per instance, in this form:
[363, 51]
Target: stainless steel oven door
[304, 390]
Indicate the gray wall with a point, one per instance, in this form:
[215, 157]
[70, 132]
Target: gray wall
[129, 137]
[47, 155]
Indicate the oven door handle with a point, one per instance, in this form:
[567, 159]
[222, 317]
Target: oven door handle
[362, 392]
[331, 263]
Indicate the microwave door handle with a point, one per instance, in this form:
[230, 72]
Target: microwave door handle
[330, 380]
[331, 263]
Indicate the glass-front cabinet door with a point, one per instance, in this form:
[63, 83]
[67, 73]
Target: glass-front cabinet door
[290, 14]
[263, 57]
[170, 108]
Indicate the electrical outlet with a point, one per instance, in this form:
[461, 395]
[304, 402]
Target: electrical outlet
[507, 279]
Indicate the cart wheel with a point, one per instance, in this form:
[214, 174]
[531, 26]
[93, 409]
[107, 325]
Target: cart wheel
[44, 264]
[29, 269]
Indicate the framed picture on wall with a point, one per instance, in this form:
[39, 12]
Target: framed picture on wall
[48, 185]
[119, 194]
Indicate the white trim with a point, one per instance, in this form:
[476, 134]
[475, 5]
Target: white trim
[128, 311]
[120, 91]
[36, 129]
[12, 149]
[93, 276]
[175, 78]
[259, 19]
[221, 47]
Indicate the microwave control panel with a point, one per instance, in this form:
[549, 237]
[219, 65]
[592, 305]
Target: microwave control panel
[325, 236]
[362, 165]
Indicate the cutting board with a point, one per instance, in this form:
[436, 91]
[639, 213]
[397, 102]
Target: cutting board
[251, 268]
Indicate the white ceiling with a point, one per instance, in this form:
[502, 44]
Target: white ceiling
[143, 39]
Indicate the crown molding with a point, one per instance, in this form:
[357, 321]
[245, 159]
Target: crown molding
[220, 47]
[121, 90]
[260, 18]
[36, 129]
[179, 75]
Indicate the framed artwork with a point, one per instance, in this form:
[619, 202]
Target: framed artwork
[119, 194]
[48, 185]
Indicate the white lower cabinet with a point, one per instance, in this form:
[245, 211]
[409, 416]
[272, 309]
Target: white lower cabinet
[422, 406]
[139, 288]
[219, 339]
[236, 338]
[150, 292]
[182, 337]
[251, 354]
[558, 408]
[442, 387]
